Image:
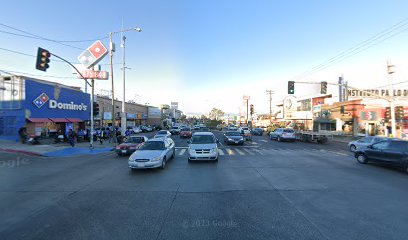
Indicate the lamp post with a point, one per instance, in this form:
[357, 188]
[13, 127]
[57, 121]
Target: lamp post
[111, 50]
[390, 71]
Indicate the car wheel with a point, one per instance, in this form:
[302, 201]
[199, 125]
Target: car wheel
[361, 158]
[242, 144]
[279, 139]
[353, 148]
[163, 166]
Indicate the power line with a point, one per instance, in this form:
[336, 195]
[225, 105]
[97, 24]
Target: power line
[14, 73]
[39, 37]
[372, 41]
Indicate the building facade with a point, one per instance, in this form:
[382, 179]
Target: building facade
[42, 107]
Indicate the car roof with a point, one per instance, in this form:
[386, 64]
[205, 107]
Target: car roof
[203, 133]
[156, 140]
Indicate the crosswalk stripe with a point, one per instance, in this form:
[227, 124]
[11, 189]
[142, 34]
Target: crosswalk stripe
[182, 151]
[229, 151]
[220, 152]
[258, 151]
[248, 151]
[239, 152]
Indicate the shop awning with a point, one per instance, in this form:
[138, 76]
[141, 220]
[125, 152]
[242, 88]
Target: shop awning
[38, 120]
[74, 120]
[59, 120]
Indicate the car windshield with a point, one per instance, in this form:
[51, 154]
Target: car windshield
[186, 129]
[174, 128]
[202, 139]
[134, 140]
[258, 129]
[288, 131]
[162, 132]
[232, 134]
[152, 145]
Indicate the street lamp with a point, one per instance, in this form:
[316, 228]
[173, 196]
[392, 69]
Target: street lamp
[111, 50]
[390, 71]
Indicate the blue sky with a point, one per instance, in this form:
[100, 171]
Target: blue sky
[210, 53]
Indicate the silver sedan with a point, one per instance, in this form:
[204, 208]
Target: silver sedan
[153, 154]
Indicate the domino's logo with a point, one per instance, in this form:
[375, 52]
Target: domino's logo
[41, 100]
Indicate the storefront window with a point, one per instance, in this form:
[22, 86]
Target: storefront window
[11, 92]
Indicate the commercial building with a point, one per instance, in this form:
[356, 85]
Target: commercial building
[42, 107]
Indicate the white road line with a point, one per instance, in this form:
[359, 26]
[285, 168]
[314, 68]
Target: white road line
[182, 151]
[258, 151]
[239, 152]
[181, 147]
[263, 140]
[220, 152]
[229, 151]
[249, 152]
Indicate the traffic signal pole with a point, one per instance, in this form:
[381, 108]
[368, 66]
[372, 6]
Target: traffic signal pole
[92, 112]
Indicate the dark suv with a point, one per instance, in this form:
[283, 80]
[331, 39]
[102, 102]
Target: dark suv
[390, 151]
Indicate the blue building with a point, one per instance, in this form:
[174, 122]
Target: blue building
[42, 107]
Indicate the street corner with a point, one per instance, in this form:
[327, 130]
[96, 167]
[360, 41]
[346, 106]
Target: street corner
[25, 152]
[75, 151]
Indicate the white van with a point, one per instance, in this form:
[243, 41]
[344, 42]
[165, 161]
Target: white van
[203, 146]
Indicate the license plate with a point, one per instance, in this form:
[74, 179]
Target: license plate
[123, 151]
[236, 141]
[140, 164]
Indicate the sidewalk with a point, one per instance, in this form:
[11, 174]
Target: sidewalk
[55, 150]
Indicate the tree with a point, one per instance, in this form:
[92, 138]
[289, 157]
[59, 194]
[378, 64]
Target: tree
[216, 113]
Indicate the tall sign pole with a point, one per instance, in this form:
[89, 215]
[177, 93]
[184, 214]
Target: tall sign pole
[111, 50]
[270, 92]
[390, 71]
[92, 111]
[123, 117]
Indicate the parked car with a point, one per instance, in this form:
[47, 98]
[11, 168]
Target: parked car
[364, 142]
[389, 151]
[257, 131]
[204, 129]
[146, 128]
[162, 134]
[196, 127]
[153, 154]
[186, 132]
[283, 134]
[203, 146]
[175, 130]
[232, 128]
[219, 127]
[233, 137]
[134, 130]
[130, 145]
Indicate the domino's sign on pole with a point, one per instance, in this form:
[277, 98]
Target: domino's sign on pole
[93, 54]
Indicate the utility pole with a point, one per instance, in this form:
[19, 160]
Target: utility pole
[123, 117]
[92, 113]
[111, 50]
[390, 71]
[270, 92]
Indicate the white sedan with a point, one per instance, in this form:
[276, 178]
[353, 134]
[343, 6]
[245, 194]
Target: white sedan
[153, 154]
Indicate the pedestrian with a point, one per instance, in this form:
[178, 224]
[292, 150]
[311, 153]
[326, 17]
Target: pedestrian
[101, 136]
[22, 132]
[71, 137]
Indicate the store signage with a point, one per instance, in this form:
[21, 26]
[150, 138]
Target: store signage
[53, 104]
[93, 54]
[378, 92]
[369, 115]
[92, 74]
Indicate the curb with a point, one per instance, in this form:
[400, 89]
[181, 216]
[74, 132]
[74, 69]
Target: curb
[21, 151]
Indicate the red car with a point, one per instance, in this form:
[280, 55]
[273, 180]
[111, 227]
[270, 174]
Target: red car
[130, 145]
[186, 133]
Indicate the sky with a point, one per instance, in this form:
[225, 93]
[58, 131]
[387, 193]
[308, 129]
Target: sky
[206, 54]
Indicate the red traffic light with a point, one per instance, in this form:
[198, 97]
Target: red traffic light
[43, 58]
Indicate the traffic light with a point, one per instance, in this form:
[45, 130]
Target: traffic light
[95, 109]
[387, 113]
[323, 87]
[399, 113]
[291, 87]
[43, 58]
[251, 109]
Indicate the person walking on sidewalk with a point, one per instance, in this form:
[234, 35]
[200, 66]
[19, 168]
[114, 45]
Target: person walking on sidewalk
[71, 138]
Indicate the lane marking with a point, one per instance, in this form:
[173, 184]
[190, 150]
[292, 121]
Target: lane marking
[239, 152]
[220, 152]
[181, 147]
[249, 152]
[182, 151]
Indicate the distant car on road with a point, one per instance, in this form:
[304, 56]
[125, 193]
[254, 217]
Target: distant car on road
[232, 128]
[204, 129]
[389, 151]
[162, 134]
[175, 130]
[130, 145]
[153, 154]
[186, 132]
[364, 142]
[233, 137]
[257, 131]
[283, 134]
[203, 146]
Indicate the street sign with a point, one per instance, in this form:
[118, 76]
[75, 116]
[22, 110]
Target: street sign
[93, 54]
[91, 74]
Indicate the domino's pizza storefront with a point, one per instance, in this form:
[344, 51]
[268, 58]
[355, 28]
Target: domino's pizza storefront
[44, 108]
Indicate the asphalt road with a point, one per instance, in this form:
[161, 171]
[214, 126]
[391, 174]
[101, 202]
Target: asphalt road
[262, 190]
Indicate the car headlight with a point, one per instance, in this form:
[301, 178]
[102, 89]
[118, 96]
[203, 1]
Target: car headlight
[230, 139]
[213, 150]
[131, 158]
[156, 159]
[191, 151]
